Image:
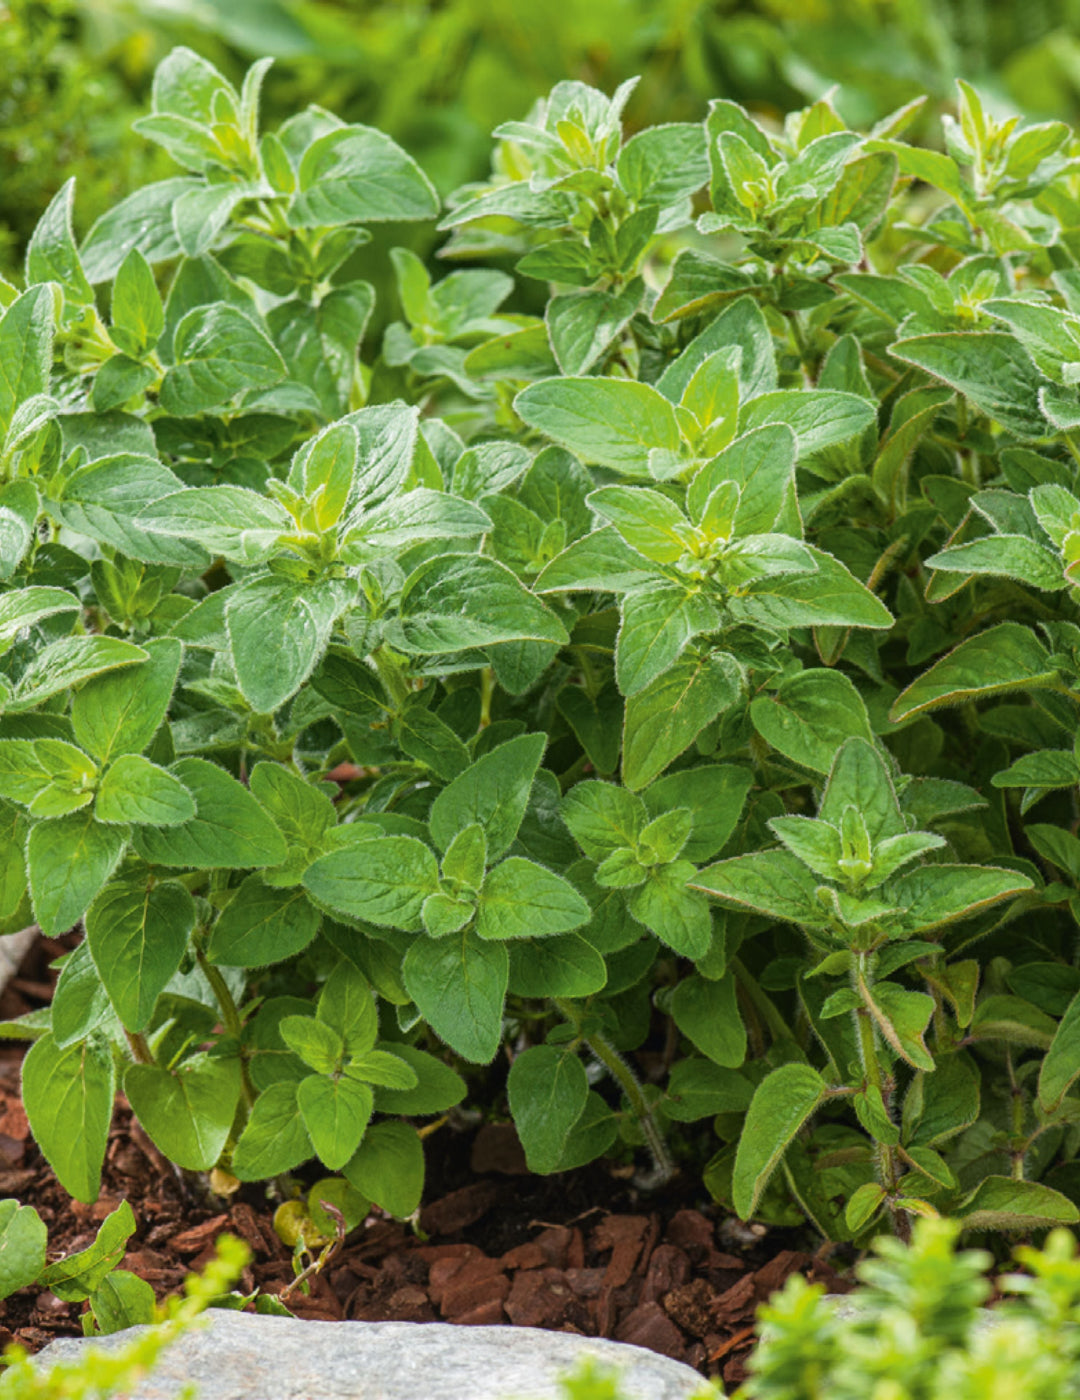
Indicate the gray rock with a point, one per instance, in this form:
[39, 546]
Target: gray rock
[237, 1356]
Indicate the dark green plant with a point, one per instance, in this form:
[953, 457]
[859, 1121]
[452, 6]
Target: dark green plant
[555, 683]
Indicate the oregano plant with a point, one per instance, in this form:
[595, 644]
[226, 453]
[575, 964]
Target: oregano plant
[463, 712]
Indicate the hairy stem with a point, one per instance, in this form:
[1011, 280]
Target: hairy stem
[140, 1050]
[230, 1019]
[620, 1071]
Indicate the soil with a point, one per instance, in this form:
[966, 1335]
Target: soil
[582, 1251]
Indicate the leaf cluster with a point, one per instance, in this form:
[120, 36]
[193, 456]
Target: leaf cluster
[558, 686]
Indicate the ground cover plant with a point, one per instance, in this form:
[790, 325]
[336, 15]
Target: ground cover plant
[692, 669]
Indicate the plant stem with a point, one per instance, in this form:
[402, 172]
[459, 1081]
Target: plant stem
[394, 681]
[763, 1004]
[620, 1071]
[230, 1015]
[140, 1050]
[230, 1019]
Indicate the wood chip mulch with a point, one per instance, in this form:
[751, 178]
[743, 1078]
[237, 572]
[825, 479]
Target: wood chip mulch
[580, 1252]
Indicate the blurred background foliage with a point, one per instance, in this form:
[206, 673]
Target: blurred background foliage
[439, 74]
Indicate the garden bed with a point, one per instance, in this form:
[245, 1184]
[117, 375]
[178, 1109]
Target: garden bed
[582, 1251]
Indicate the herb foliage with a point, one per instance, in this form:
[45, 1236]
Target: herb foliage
[538, 678]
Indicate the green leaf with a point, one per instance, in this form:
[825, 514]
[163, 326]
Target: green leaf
[931, 167]
[1061, 1065]
[459, 986]
[990, 368]
[24, 607]
[437, 1087]
[135, 790]
[817, 844]
[68, 862]
[467, 600]
[217, 352]
[80, 1004]
[143, 221]
[230, 830]
[828, 424]
[493, 793]
[860, 779]
[609, 422]
[1001, 1203]
[648, 521]
[425, 737]
[679, 917]
[1004, 658]
[262, 925]
[77, 1276]
[319, 1046]
[67, 663]
[346, 1004]
[602, 817]
[902, 1018]
[863, 1206]
[713, 793]
[299, 617]
[23, 775]
[941, 1105]
[68, 1097]
[596, 720]
[407, 519]
[782, 1103]
[1041, 771]
[388, 1168]
[1013, 1020]
[601, 561]
[583, 325]
[831, 596]
[320, 343]
[521, 899]
[1007, 556]
[547, 1088]
[383, 881]
[301, 810]
[336, 1113]
[664, 164]
[274, 1139]
[667, 716]
[810, 715]
[768, 882]
[382, 1067]
[762, 464]
[700, 1089]
[658, 624]
[19, 510]
[187, 1111]
[138, 316]
[23, 1238]
[932, 895]
[119, 713]
[137, 932]
[355, 174]
[563, 966]
[123, 1300]
[26, 331]
[707, 1013]
[51, 255]
[103, 499]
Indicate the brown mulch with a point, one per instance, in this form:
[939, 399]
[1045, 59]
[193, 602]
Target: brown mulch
[580, 1252]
